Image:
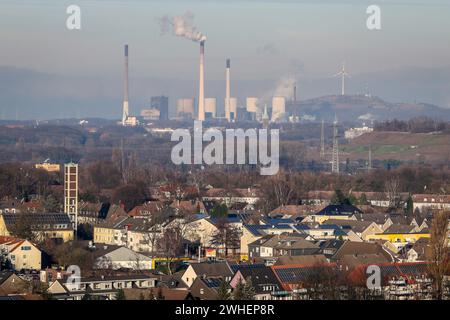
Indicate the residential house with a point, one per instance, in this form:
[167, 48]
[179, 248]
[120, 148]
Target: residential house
[253, 232]
[332, 211]
[304, 260]
[361, 229]
[123, 258]
[348, 262]
[431, 201]
[103, 286]
[10, 284]
[399, 281]
[22, 254]
[206, 288]
[136, 233]
[401, 235]
[55, 226]
[325, 232]
[420, 251]
[297, 280]
[294, 212]
[229, 197]
[263, 280]
[281, 245]
[361, 248]
[329, 247]
[207, 270]
[95, 213]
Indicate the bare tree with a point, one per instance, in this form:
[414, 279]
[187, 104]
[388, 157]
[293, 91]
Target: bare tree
[439, 264]
[279, 190]
[225, 236]
[170, 245]
[391, 189]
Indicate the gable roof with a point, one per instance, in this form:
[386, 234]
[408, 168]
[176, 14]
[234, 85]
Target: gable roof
[358, 248]
[339, 209]
[125, 254]
[260, 276]
[354, 225]
[260, 229]
[399, 228]
[209, 269]
[353, 260]
[304, 260]
[295, 274]
[38, 221]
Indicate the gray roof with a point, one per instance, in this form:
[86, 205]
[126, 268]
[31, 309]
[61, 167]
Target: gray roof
[47, 221]
[211, 269]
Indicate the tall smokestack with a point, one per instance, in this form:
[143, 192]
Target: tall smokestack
[227, 91]
[125, 94]
[201, 91]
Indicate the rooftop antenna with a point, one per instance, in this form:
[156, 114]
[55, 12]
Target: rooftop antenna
[335, 154]
[343, 74]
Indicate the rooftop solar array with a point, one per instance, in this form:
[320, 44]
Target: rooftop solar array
[236, 267]
[212, 282]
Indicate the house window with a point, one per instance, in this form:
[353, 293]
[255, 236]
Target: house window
[25, 248]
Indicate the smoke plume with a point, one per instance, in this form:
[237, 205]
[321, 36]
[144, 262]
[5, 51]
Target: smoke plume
[181, 26]
[285, 87]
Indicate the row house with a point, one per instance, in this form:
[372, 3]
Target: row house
[55, 226]
[137, 234]
[431, 201]
[104, 287]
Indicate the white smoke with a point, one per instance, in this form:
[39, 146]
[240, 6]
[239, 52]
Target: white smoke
[285, 87]
[181, 26]
[367, 117]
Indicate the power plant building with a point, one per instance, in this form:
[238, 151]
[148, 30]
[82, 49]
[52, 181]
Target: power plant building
[210, 108]
[160, 103]
[278, 109]
[186, 108]
[251, 103]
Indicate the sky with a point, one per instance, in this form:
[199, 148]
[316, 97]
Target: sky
[48, 71]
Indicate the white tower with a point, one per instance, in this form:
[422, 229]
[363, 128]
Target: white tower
[201, 90]
[335, 155]
[71, 192]
[125, 108]
[228, 91]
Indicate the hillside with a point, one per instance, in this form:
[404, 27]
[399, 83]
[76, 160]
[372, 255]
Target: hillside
[428, 147]
[364, 108]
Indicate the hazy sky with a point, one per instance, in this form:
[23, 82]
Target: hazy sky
[49, 71]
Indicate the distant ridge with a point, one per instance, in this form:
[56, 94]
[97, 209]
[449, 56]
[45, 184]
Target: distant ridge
[363, 108]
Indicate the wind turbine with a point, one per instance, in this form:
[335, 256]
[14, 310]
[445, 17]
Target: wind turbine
[343, 74]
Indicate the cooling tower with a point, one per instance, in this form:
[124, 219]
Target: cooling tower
[278, 108]
[251, 104]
